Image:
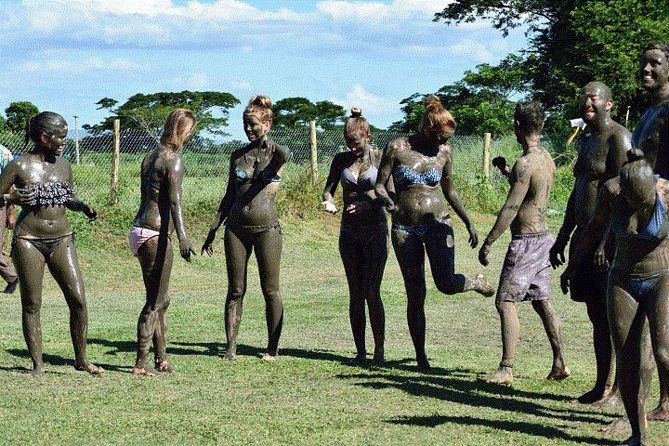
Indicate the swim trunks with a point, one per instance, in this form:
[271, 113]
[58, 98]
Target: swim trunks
[526, 271]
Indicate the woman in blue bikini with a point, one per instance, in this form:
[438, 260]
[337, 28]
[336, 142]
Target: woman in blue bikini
[634, 205]
[363, 239]
[421, 167]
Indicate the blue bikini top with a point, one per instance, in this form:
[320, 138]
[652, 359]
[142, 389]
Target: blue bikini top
[654, 229]
[365, 181]
[406, 176]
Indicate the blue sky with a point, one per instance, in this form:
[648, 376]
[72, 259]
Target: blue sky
[64, 55]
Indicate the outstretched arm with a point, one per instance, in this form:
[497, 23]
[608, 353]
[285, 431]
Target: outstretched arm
[174, 178]
[223, 210]
[520, 183]
[453, 199]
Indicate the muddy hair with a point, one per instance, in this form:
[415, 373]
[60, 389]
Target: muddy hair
[436, 118]
[178, 126]
[44, 122]
[658, 46]
[261, 107]
[530, 116]
[605, 92]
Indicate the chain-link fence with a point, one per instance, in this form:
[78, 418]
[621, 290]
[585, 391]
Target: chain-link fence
[206, 160]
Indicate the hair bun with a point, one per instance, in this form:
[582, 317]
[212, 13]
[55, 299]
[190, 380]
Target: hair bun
[635, 155]
[261, 101]
[433, 102]
[356, 112]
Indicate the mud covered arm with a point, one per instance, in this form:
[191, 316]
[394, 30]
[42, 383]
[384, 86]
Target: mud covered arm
[385, 170]
[9, 194]
[76, 204]
[569, 222]
[279, 159]
[452, 195]
[521, 175]
[592, 235]
[174, 176]
[223, 209]
[331, 184]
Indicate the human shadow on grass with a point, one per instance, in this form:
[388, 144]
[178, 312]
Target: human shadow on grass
[473, 394]
[469, 374]
[60, 361]
[522, 427]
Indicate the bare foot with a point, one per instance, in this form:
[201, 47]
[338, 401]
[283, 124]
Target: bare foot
[660, 413]
[143, 371]
[423, 364]
[634, 440]
[482, 286]
[230, 356]
[503, 376]
[378, 359]
[558, 374]
[269, 358]
[357, 360]
[617, 427]
[592, 396]
[37, 372]
[163, 366]
[610, 401]
[90, 368]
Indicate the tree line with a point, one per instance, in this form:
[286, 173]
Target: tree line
[570, 43]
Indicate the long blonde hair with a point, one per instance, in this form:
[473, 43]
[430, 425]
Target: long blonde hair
[178, 126]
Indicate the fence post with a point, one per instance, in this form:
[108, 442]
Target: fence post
[116, 162]
[486, 155]
[314, 153]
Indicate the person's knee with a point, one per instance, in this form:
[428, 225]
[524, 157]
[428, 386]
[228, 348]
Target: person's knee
[236, 292]
[448, 285]
[272, 296]
[662, 357]
[503, 307]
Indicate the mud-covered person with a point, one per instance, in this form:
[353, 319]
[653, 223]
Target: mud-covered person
[43, 237]
[251, 224]
[601, 155]
[526, 271]
[150, 238]
[634, 206]
[363, 237]
[421, 168]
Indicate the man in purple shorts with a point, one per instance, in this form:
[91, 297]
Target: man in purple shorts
[526, 271]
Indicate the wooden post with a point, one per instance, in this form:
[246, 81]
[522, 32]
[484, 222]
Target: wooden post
[116, 163]
[314, 153]
[486, 155]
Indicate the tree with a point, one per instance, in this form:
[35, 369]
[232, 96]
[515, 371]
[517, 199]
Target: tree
[480, 102]
[148, 111]
[298, 112]
[573, 42]
[18, 114]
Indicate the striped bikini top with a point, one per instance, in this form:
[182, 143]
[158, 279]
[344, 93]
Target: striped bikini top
[404, 176]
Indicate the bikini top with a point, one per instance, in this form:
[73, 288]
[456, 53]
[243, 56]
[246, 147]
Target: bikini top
[365, 181]
[404, 176]
[656, 229]
[51, 193]
[267, 174]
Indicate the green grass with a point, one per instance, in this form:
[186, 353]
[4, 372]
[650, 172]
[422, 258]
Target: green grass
[308, 396]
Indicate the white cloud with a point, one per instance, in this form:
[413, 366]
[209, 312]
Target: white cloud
[76, 67]
[242, 85]
[370, 103]
[476, 51]
[375, 11]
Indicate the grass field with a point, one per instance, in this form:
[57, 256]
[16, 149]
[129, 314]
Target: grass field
[308, 396]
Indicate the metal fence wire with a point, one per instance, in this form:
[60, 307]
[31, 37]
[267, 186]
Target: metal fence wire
[206, 161]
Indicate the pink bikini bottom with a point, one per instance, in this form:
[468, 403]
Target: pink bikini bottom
[137, 236]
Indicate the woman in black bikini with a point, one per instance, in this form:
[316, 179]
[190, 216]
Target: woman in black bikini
[363, 238]
[248, 210]
[42, 235]
[421, 166]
